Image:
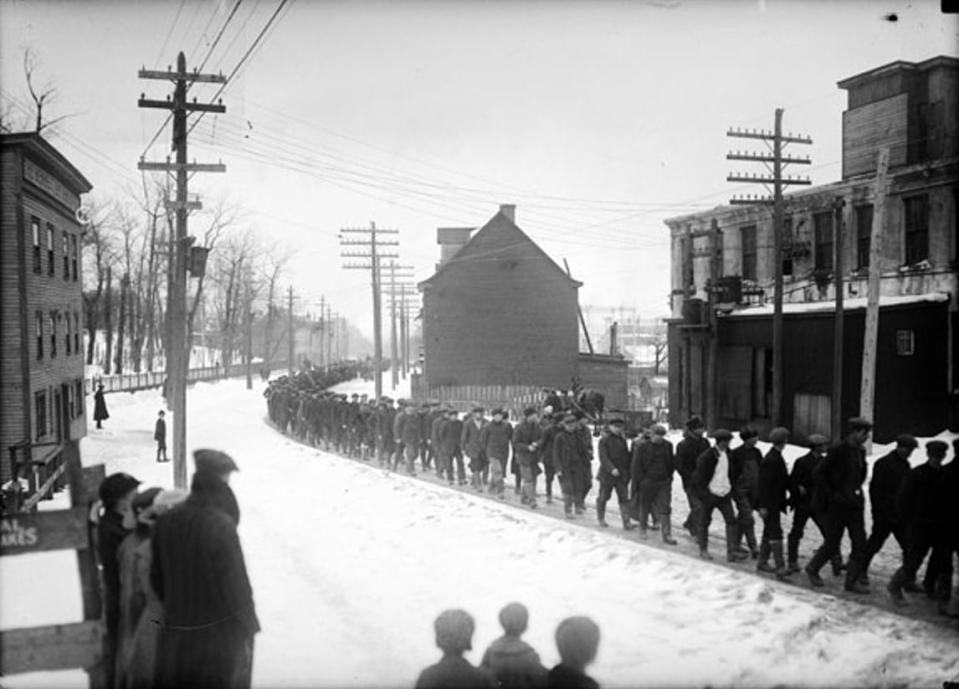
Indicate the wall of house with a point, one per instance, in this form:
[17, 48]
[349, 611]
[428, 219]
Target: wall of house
[500, 313]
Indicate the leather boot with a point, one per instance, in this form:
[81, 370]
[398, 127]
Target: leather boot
[895, 587]
[601, 513]
[667, 530]
[732, 554]
[764, 553]
[777, 548]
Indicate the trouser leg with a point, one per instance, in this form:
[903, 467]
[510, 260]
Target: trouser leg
[605, 492]
[800, 517]
[528, 475]
[857, 534]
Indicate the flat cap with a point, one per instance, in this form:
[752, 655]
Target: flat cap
[747, 432]
[817, 439]
[695, 422]
[906, 440]
[937, 448]
[722, 434]
[530, 410]
[569, 418]
[496, 411]
[617, 421]
[214, 462]
[478, 408]
[115, 486]
[857, 423]
[658, 429]
[779, 435]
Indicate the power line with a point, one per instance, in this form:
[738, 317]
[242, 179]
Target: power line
[219, 35]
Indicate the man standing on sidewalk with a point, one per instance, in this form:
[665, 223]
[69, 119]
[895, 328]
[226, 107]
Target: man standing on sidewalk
[714, 481]
[527, 437]
[614, 472]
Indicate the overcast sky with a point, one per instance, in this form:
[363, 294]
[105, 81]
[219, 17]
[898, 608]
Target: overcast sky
[597, 119]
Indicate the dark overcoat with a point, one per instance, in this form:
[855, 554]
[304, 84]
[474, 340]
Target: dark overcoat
[773, 484]
[199, 574]
[100, 406]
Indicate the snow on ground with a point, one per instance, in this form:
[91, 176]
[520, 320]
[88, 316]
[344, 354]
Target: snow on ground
[350, 565]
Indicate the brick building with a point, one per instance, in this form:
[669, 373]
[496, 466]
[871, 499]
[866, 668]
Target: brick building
[720, 334]
[499, 311]
[41, 363]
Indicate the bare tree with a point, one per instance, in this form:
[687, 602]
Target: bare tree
[42, 94]
[98, 238]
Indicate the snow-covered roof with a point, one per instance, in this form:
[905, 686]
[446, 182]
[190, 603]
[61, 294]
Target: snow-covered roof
[848, 304]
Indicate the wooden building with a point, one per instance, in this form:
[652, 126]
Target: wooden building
[41, 357]
[499, 312]
[720, 333]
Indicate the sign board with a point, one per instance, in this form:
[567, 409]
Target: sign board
[92, 478]
[57, 647]
[38, 531]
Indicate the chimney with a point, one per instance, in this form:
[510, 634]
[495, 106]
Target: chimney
[509, 210]
[451, 240]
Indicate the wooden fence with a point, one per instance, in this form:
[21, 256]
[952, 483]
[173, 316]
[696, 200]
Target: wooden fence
[464, 397]
[144, 380]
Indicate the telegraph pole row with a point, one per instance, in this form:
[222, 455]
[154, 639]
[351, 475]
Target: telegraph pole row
[776, 178]
[394, 288]
[177, 347]
[372, 244]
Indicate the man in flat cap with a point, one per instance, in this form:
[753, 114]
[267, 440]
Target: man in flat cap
[613, 472]
[198, 571]
[841, 476]
[527, 437]
[495, 441]
[652, 477]
[924, 503]
[888, 474]
[801, 489]
[692, 445]
[566, 459]
[473, 449]
[714, 480]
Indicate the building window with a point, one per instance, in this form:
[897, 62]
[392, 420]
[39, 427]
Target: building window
[35, 231]
[863, 235]
[76, 333]
[748, 235]
[40, 412]
[53, 334]
[905, 342]
[822, 229]
[74, 255]
[51, 266]
[917, 228]
[67, 339]
[38, 322]
[79, 387]
[71, 402]
[66, 256]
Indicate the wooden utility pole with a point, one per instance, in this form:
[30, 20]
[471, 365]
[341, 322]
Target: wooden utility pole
[871, 338]
[291, 365]
[835, 421]
[178, 348]
[778, 181]
[395, 289]
[323, 326]
[374, 254]
[248, 316]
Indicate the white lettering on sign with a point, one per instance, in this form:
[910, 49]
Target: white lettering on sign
[13, 535]
[41, 178]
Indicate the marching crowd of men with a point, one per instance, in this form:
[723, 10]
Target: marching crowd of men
[918, 506]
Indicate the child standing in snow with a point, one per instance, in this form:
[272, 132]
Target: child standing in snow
[454, 636]
[159, 434]
[513, 662]
[577, 639]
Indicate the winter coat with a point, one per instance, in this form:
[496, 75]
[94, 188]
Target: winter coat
[454, 672]
[888, 475]
[110, 534]
[436, 430]
[773, 483]
[199, 574]
[585, 438]
[141, 614]
[524, 434]
[924, 500]
[841, 475]
[687, 452]
[159, 432]
[801, 480]
[706, 469]
[409, 427]
[470, 439]
[100, 406]
[495, 439]
[652, 462]
[563, 676]
[746, 461]
[565, 452]
[613, 454]
[549, 430]
[514, 664]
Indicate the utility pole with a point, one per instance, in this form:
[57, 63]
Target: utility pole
[322, 329]
[372, 244]
[249, 338]
[395, 289]
[835, 422]
[776, 158]
[290, 364]
[870, 340]
[178, 347]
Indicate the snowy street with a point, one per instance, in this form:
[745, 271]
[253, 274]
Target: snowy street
[351, 564]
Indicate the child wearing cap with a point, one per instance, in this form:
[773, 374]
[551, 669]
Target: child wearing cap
[454, 636]
[513, 662]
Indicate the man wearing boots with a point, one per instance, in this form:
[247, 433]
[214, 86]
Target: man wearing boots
[714, 482]
[549, 426]
[613, 472]
[746, 460]
[801, 489]
[924, 504]
[526, 443]
[566, 459]
[652, 474]
[692, 445]
[841, 476]
[470, 444]
[888, 475]
[772, 500]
